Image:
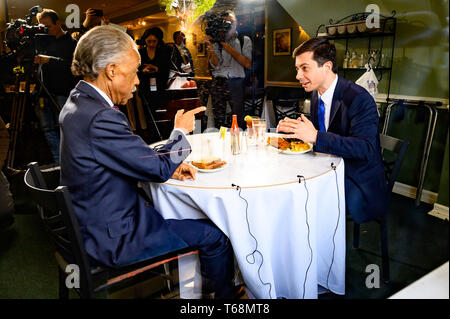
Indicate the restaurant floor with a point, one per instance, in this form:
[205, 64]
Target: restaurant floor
[418, 243]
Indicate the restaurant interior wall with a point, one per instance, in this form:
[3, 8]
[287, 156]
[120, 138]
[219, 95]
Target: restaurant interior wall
[420, 68]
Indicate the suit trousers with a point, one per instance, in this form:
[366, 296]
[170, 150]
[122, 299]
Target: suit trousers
[215, 253]
[229, 90]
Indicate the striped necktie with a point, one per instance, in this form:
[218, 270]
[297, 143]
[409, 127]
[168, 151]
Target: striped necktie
[116, 107]
[321, 115]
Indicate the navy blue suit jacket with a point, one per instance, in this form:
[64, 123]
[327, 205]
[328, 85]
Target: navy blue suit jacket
[101, 163]
[353, 135]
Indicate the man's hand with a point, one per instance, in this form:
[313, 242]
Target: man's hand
[41, 59]
[301, 128]
[186, 120]
[184, 171]
[91, 19]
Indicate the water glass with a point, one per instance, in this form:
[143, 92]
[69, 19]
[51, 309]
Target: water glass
[259, 127]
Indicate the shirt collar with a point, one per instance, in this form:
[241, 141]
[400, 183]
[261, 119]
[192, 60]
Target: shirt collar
[327, 96]
[103, 94]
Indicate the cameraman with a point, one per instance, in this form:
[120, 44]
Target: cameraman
[229, 56]
[56, 74]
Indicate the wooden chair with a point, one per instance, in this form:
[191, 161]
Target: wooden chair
[391, 168]
[58, 215]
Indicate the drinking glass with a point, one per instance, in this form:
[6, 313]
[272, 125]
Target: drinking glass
[259, 127]
[251, 135]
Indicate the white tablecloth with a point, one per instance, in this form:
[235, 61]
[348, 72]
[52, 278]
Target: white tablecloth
[288, 237]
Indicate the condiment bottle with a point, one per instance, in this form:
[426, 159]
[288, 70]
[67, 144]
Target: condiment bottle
[234, 133]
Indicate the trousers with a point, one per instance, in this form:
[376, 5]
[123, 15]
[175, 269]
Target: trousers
[215, 254]
[229, 90]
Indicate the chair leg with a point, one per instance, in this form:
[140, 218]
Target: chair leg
[167, 272]
[384, 249]
[63, 291]
[355, 236]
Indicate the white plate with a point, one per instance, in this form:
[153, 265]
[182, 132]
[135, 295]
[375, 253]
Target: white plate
[202, 170]
[297, 153]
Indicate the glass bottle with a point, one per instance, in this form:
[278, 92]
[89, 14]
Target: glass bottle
[234, 134]
[354, 60]
[345, 65]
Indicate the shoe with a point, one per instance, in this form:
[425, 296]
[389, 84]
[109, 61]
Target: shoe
[240, 292]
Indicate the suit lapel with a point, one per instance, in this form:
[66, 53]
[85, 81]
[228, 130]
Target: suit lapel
[313, 109]
[337, 100]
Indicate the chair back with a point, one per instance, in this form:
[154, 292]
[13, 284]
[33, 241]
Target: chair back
[392, 167]
[58, 215]
[289, 107]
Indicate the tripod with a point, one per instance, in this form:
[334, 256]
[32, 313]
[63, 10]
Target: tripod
[22, 88]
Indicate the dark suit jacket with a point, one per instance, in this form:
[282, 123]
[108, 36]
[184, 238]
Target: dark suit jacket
[353, 135]
[101, 163]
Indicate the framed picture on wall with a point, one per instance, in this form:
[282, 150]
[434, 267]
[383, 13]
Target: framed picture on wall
[201, 49]
[282, 42]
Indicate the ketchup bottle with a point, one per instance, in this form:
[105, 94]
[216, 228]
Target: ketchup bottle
[234, 132]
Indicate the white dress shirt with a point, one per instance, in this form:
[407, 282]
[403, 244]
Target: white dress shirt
[327, 98]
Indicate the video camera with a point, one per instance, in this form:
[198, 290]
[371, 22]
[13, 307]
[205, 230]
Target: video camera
[27, 40]
[216, 26]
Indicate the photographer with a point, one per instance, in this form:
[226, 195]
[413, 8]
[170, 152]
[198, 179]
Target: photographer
[56, 75]
[181, 56]
[229, 55]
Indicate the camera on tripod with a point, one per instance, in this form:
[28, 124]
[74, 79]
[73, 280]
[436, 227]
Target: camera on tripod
[25, 39]
[216, 26]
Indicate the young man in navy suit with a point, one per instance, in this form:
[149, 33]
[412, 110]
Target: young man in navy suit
[344, 123]
[102, 162]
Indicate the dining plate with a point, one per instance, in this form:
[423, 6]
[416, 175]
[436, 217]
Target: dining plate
[202, 170]
[297, 153]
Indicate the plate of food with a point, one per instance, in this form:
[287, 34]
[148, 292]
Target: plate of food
[209, 165]
[290, 146]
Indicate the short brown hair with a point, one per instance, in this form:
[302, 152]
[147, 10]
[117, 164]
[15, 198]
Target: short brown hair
[48, 13]
[323, 49]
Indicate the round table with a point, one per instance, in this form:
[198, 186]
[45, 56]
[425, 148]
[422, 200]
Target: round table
[287, 232]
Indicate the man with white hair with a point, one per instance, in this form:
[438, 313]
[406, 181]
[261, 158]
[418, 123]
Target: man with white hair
[102, 162]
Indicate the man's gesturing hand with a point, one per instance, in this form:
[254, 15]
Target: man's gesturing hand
[301, 128]
[186, 120]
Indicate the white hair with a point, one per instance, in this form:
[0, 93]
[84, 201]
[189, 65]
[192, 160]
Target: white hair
[99, 47]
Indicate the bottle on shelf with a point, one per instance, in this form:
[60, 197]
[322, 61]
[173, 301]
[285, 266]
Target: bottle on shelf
[361, 60]
[234, 134]
[354, 61]
[345, 65]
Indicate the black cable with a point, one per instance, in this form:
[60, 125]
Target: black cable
[238, 188]
[307, 224]
[337, 224]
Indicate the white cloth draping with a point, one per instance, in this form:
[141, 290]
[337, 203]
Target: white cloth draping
[288, 236]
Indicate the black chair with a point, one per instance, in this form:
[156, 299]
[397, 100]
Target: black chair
[391, 168]
[57, 213]
[286, 107]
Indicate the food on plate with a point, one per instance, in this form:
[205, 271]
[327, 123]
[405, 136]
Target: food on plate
[299, 146]
[209, 163]
[293, 145]
[189, 84]
[278, 142]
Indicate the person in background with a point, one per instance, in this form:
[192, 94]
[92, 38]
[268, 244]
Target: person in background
[93, 18]
[228, 59]
[344, 123]
[154, 69]
[181, 56]
[57, 76]
[102, 162]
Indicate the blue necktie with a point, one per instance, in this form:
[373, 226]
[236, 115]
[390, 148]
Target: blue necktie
[321, 115]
